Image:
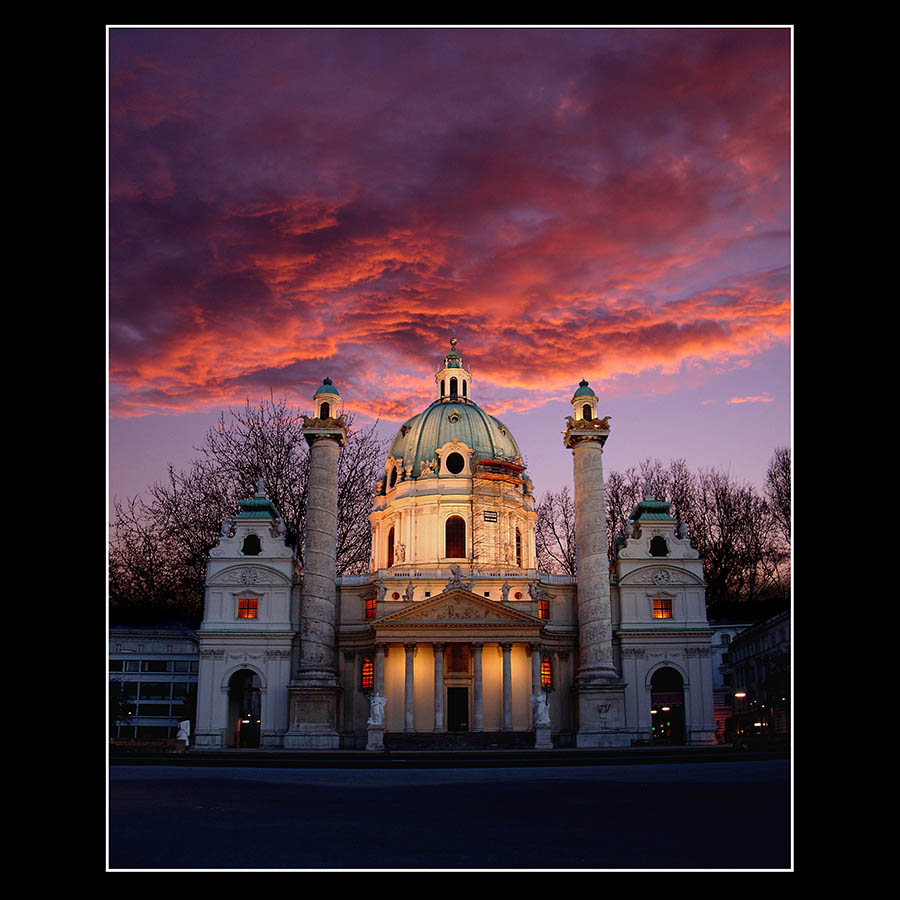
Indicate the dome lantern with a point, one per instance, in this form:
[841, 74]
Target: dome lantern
[453, 379]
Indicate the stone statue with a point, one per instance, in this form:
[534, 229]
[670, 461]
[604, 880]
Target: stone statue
[226, 528]
[280, 528]
[504, 591]
[534, 590]
[376, 710]
[184, 732]
[400, 552]
[408, 593]
[455, 579]
[426, 467]
[382, 590]
[261, 487]
[541, 709]
[681, 530]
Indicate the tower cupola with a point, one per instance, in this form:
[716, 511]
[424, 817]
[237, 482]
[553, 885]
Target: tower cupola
[327, 400]
[584, 402]
[453, 379]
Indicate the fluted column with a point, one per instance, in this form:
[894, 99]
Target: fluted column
[438, 687]
[409, 699]
[506, 647]
[478, 688]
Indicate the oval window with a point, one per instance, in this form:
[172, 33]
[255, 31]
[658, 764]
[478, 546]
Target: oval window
[455, 463]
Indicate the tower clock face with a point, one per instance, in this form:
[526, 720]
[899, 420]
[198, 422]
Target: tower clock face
[660, 577]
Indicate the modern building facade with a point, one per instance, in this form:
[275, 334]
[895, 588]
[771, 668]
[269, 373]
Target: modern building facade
[454, 637]
[153, 675]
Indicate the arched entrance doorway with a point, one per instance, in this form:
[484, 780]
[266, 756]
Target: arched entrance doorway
[667, 706]
[244, 709]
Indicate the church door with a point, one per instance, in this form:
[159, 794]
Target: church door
[244, 706]
[667, 707]
[457, 709]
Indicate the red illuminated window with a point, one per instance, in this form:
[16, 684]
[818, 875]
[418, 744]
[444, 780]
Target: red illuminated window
[546, 672]
[662, 608]
[543, 609]
[370, 608]
[367, 673]
[247, 607]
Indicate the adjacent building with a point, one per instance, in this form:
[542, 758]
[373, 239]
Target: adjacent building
[153, 675]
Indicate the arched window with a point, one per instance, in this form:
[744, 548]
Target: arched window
[252, 546]
[455, 537]
[546, 672]
[465, 386]
[518, 548]
[324, 411]
[453, 387]
[367, 673]
[586, 411]
[393, 476]
[390, 547]
[658, 546]
[443, 387]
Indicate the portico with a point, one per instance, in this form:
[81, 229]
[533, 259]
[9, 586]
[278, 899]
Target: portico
[456, 662]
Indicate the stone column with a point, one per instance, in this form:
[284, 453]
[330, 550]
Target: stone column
[438, 687]
[409, 700]
[380, 652]
[478, 689]
[535, 668]
[601, 695]
[315, 691]
[506, 647]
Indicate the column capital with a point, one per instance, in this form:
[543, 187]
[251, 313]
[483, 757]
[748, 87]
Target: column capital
[579, 431]
[324, 429]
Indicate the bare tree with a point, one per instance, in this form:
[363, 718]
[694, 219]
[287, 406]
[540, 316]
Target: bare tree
[555, 532]
[160, 545]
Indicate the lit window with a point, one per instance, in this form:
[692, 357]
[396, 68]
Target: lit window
[662, 608]
[455, 537]
[247, 607]
[370, 608]
[546, 672]
[543, 609]
[367, 673]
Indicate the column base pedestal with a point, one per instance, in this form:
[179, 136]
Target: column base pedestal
[601, 716]
[375, 739]
[542, 739]
[313, 718]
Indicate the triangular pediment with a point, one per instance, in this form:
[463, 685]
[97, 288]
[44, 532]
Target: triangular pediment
[458, 607]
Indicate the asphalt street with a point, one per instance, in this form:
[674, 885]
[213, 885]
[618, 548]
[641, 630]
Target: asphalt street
[724, 815]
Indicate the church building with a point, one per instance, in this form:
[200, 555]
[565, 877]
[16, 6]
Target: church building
[454, 638]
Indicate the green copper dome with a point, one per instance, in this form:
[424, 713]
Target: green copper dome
[327, 388]
[583, 390]
[420, 436]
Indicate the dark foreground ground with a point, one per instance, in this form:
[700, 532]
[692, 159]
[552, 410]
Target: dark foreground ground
[684, 815]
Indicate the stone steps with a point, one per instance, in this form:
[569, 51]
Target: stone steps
[460, 740]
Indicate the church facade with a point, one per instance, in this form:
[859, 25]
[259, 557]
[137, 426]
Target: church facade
[454, 637]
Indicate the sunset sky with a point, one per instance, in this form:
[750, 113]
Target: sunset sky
[600, 203]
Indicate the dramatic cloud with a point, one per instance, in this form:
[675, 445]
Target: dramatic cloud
[287, 204]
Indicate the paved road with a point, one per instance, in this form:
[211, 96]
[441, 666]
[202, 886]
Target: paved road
[689, 815]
